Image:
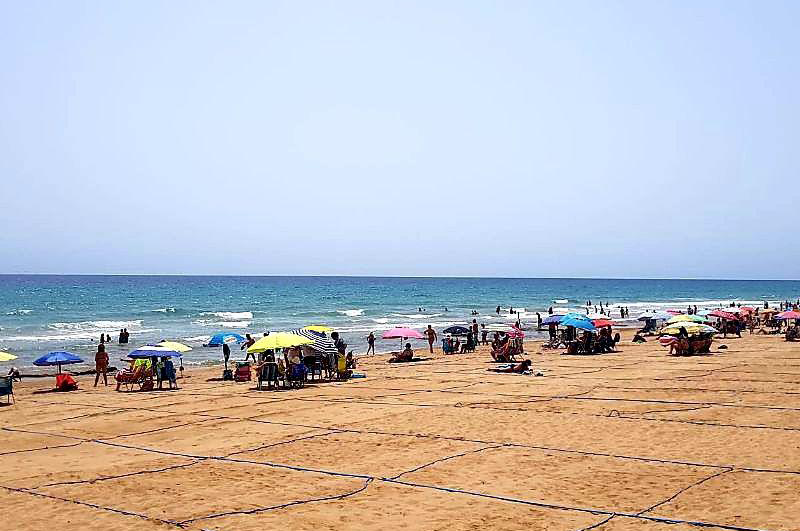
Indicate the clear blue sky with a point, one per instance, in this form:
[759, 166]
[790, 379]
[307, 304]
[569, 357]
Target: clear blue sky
[599, 138]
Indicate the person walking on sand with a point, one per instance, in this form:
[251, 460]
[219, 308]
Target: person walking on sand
[101, 364]
[475, 330]
[431, 334]
[371, 344]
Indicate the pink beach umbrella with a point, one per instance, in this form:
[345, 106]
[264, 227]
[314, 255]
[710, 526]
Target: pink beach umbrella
[516, 333]
[402, 333]
[724, 315]
[791, 314]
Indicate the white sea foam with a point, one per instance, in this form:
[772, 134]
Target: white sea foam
[19, 312]
[197, 338]
[351, 313]
[560, 301]
[95, 326]
[164, 310]
[70, 336]
[222, 324]
[381, 320]
[417, 315]
[231, 316]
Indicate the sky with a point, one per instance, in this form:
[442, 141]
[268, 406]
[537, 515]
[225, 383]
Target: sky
[433, 138]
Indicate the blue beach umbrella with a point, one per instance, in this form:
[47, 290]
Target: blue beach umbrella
[58, 357]
[578, 321]
[226, 337]
[552, 319]
[150, 351]
[456, 331]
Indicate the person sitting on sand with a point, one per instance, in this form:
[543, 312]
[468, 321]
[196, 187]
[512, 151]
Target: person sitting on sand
[406, 355]
[792, 334]
[520, 368]
[638, 338]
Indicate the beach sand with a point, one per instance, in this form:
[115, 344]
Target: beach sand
[634, 440]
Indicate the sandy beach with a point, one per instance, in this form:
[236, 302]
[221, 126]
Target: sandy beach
[631, 440]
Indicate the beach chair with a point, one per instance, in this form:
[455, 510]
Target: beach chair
[296, 375]
[7, 389]
[242, 373]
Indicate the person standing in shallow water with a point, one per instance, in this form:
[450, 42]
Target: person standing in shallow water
[431, 334]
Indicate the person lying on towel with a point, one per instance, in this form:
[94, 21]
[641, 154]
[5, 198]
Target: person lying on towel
[520, 368]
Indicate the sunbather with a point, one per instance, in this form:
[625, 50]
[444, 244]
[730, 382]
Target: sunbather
[406, 355]
[518, 369]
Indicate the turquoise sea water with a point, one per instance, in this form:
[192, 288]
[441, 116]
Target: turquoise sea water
[39, 313]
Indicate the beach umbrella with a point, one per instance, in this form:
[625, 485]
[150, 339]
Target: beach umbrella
[687, 318]
[321, 343]
[154, 351]
[600, 323]
[516, 333]
[224, 337]
[768, 310]
[578, 322]
[174, 345]
[58, 358]
[5, 356]
[791, 314]
[691, 328]
[319, 328]
[723, 315]
[552, 319]
[402, 333]
[279, 340]
[456, 331]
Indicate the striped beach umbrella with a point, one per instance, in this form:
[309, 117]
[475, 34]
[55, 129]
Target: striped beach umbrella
[321, 343]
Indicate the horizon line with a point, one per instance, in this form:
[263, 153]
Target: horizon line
[467, 277]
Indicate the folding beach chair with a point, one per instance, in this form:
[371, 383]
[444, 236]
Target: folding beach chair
[7, 389]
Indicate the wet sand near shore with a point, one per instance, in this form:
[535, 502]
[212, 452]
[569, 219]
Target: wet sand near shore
[616, 442]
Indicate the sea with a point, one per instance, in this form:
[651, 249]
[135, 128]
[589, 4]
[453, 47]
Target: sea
[43, 313]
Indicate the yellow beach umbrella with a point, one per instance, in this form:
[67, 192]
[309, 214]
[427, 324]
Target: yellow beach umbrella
[174, 345]
[686, 318]
[691, 328]
[318, 328]
[279, 340]
[5, 356]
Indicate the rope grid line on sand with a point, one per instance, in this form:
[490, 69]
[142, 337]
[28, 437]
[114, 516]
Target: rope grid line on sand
[608, 515]
[395, 480]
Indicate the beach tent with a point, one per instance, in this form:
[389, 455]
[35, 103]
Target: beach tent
[224, 337]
